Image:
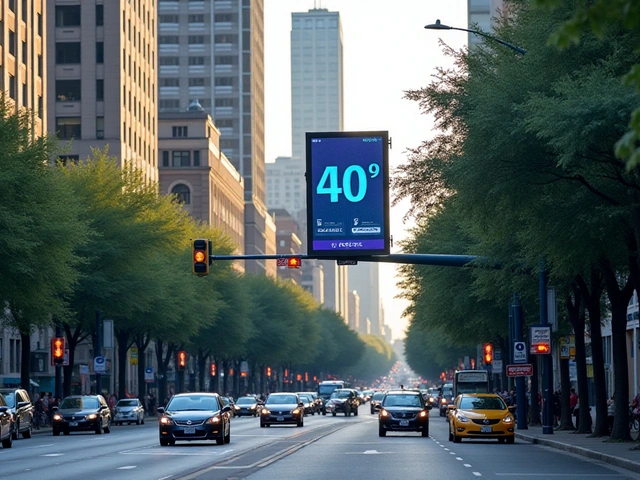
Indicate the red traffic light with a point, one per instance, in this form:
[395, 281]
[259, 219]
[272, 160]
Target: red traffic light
[213, 369]
[542, 348]
[488, 353]
[57, 350]
[200, 256]
[268, 371]
[182, 360]
[294, 262]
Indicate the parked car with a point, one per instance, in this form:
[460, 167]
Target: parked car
[128, 410]
[247, 406]
[79, 413]
[403, 410]
[344, 400]
[481, 415]
[21, 408]
[6, 424]
[194, 416]
[282, 409]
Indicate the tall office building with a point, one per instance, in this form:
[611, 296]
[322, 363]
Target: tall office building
[213, 52]
[22, 57]
[364, 279]
[481, 13]
[101, 59]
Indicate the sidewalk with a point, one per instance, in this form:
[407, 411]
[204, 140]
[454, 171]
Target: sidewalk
[618, 454]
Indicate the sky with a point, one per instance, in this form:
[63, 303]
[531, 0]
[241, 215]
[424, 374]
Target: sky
[386, 52]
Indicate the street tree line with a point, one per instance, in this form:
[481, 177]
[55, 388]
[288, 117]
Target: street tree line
[77, 239]
[526, 164]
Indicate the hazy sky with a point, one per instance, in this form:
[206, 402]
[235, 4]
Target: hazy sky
[386, 51]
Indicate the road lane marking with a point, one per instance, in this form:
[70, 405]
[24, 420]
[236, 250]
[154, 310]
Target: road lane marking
[452, 453]
[126, 467]
[599, 475]
[468, 465]
[477, 474]
[52, 455]
[459, 458]
[165, 478]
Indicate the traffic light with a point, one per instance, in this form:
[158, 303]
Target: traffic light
[543, 348]
[294, 262]
[182, 360]
[200, 256]
[213, 369]
[57, 350]
[268, 371]
[488, 354]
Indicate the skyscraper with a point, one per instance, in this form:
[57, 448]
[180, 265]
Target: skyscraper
[213, 52]
[101, 59]
[22, 57]
[482, 12]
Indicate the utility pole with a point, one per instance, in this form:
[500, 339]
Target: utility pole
[521, 395]
[547, 361]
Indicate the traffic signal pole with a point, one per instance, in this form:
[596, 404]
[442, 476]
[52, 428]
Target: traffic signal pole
[58, 381]
[547, 361]
[521, 394]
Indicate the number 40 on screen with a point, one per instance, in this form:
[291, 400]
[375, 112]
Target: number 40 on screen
[329, 183]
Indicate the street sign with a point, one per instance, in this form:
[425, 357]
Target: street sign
[540, 336]
[519, 370]
[133, 355]
[347, 262]
[348, 194]
[519, 352]
[281, 262]
[497, 365]
[99, 365]
[148, 374]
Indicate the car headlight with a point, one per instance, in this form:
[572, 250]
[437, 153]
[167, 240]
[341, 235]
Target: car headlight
[252, 407]
[92, 416]
[424, 413]
[461, 418]
[236, 407]
[215, 419]
[508, 419]
[431, 400]
[57, 417]
[295, 411]
[166, 421]
[265, 411]
[443, 401]
[384, 413]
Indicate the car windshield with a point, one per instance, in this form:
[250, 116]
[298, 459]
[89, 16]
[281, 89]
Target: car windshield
[447, 392]
[402, 401]
[127, 403]
[340, 394]
[327, 389]
[482, 403]
[10, 398]
[305, 398]
[246, 401]
[281, 400]
[194, 402]
[79, 403]
[377, 396]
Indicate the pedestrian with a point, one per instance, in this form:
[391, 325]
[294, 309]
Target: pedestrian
[611, 410]
[573, 400]
[576, 413]
[112, 404]
[557, 408]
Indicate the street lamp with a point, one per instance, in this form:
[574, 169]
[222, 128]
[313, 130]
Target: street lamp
[440, 26]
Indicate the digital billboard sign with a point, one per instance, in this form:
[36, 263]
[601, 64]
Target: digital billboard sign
[347, 193]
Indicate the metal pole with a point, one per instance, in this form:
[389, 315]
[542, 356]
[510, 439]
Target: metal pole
[547, 364]
[58, 381]
[521, 395]
[510, 350]
[98, 350]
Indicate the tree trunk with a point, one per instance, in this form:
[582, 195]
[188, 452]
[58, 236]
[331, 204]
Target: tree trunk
[575, 310]
[619, 299]
[142, 342]
[535, 389]
[592, 297]
[566, 421]
[72, 341]
[201, 361]
[123, 347]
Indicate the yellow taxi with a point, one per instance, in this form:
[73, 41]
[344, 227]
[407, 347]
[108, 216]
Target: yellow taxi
[481, 415]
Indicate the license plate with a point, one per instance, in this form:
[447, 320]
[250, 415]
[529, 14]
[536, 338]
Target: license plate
[73, 424]
[188, 430]
[486, 429]
[280, 419]
[404, 423]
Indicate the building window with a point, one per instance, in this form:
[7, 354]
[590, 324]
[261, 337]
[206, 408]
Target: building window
[182, 193]
[169, 104]
[196, 82]
[24, 52]
[99, 128]
[67, 52]
[68, 16]
[25, 94]
[180, 131]
[196, 39]
[68, 90]
[169, 82]
[224, 81]
[196, 60]
[12, 5]
[224, 60]
[169, 61]
[168, 18]
[223, 17]
[12, 43]
[100, 90]
[165, 158]
[226, 38]
[181, 159]
[225, 102]
[68, 127]
[196, 18]
[12, 86]
[169, 40]
[65, 159]
[40, 66]
[99, 52]
[196, 158]
[100, 15]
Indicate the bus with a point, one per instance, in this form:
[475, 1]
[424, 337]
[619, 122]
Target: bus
[471, 381]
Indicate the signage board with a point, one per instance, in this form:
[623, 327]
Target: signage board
[519, 352]
[497, 365]
[525, 370]
[148, 374]
[84, 369]
[281, 262]
[133, 355]
[99, 365]
[347, 262]
[347, 194]
[476, 376]
[540, 337]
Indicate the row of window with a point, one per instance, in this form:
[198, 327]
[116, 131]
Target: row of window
[199, 18]
[193, 82]
[69, 52]
[69, 15]
[71, 90]
[180, 158]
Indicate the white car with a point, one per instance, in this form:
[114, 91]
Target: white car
[128, 410]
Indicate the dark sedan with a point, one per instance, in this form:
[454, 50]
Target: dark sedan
[195, 416]
[79, 413]
[403, 410]
[6, 424]
[248, 406]
[282, 409]
[21, 408]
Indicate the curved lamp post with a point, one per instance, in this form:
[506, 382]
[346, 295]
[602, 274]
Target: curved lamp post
[440, 26]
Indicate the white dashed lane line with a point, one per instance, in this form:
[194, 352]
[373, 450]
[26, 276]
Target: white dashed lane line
[468, 465]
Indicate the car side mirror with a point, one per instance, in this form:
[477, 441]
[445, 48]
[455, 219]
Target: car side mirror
[301, 404]
[55, 409]
[451, 407]
[23, 404]
[160, 409]
[225, 409]
[429, 406]
[512, 408]
[377, 407]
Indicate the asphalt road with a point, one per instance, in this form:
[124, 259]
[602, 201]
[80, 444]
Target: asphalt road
[326, 447]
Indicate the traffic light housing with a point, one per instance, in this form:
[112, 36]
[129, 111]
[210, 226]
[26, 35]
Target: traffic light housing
[213, 370]
[200, 256]
[268, 371]
[487, 354]
[542, 348]
[182, 360]
[294, 262]
[57, 350]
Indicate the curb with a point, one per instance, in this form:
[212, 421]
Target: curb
[585, 452]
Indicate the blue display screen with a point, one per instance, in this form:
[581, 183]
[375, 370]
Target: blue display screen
[347, 193]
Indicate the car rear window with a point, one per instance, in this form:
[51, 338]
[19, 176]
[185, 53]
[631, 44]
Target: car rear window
[245, 401]
[127, 403]
[281, 399]
[207, 403]
[79, 403]
[402, 401]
